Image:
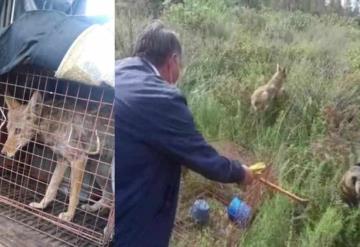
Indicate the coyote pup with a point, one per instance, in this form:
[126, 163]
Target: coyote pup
[350, 186]
[73, 136]
[265, 94]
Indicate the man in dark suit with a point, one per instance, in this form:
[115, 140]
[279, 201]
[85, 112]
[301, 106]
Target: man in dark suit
[155, 135]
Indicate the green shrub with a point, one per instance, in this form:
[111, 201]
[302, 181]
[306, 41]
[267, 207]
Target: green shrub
[326, 229]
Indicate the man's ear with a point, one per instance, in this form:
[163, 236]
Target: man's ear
[174, 58]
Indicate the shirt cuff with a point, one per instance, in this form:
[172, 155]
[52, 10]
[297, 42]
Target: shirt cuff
[237, 174]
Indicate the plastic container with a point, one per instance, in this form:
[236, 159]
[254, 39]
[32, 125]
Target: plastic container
[200, 212]
[239, 212]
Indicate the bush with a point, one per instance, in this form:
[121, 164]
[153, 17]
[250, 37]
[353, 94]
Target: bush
[325, 231]
[204, 17]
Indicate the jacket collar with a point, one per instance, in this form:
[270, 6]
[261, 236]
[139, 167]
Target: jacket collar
[153, 67]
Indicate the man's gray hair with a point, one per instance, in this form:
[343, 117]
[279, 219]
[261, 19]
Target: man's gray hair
[156, 43]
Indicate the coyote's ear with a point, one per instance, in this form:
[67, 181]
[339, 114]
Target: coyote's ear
[11, 103]
[35, 98]
[278, 67]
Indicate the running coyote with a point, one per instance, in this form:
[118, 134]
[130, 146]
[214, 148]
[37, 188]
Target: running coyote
[263, 96]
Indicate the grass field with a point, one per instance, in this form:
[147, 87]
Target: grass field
[310, 137]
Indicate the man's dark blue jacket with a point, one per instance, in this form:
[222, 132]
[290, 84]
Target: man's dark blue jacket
[155, 135]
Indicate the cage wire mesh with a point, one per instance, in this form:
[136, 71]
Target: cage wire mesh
[50, 128]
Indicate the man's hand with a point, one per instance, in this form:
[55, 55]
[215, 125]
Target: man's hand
[249, 176]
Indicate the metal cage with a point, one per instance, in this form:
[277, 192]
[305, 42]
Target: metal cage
[25, 177]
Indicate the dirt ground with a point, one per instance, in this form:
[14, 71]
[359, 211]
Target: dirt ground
[220, 231]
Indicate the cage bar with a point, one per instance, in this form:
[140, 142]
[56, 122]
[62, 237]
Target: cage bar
[79, 118]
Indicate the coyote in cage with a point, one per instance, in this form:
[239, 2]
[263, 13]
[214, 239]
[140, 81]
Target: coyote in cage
[74, 134]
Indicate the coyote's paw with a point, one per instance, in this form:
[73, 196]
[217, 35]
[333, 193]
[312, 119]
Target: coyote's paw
[91, 208]
[38, 205]
[66, 216]
[109, 232]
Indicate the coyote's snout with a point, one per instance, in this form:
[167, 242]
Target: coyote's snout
[19, 125]
[73, 136]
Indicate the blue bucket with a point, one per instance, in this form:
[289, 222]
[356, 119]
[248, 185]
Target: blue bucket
[239, 212]
[200, 212]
